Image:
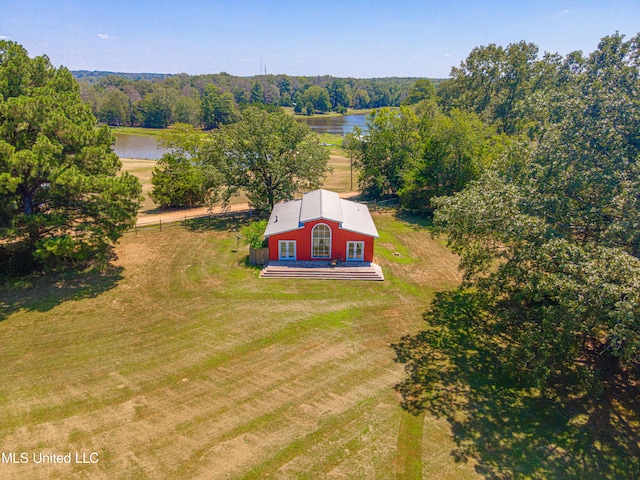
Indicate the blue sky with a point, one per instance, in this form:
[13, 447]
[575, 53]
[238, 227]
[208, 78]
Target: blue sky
[341, 38]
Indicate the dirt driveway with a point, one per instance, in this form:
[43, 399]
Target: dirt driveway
[176, 215]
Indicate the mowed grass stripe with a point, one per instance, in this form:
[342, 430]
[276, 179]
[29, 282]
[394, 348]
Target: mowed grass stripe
[326, 429]
[274, 427]
[288, 333]
[271, 410]
[165, 348]
[312, 375]
[292, 390]
[409, 460]
[361, 449]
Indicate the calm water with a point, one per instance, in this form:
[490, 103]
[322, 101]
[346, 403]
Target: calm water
[146, 147]
[138, 146]
[340, 125]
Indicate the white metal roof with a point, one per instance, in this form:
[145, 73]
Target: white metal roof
[317, 205]
[284, 218]
[321, 204]
[357, 218]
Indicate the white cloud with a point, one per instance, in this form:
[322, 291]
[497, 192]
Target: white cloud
[2, 37]
[104, 36]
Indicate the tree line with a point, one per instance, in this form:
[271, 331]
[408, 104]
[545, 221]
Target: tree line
[530, 166]
[207, 101]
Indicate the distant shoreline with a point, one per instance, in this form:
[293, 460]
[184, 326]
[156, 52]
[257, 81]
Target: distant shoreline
[157, 131]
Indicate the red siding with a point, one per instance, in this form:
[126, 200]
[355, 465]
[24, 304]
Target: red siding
[339, 239]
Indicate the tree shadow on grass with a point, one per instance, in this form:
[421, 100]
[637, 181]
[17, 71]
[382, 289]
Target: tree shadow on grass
[251, 266]
[417, 221]
[41, 294]
[511, 432]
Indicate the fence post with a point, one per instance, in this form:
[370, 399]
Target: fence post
[160, 224]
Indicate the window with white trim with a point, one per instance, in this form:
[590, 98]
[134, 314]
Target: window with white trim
[321, 241]
[355, 251]
[287, 249]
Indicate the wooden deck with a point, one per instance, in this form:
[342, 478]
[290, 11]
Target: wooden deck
[322, 270]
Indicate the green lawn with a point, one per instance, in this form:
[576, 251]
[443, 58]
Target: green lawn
[181, 363]
[139, 131]
[350, 111]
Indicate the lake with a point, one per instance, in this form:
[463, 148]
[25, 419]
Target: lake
[146, 146]
[337, 125]
[138, 146]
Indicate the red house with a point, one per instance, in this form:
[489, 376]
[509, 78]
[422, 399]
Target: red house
[321, 226]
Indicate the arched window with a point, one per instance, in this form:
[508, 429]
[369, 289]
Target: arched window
[321, 241]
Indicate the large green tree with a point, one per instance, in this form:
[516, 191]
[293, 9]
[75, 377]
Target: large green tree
[157, 108]
[453, 150]
[318, 98]
[62, 197]
[177, 182]
[494, 81]
[218, 108]
[340, 94]
[422, 90]
[268, 156]
[114, 108]
[257, 92]
[552, 238]
[361, 99]
[387, 151]
[187, 110]
[180, 179]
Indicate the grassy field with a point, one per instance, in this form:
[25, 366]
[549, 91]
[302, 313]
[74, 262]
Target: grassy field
[350, 111]
[142, 169]
[138, 131]
[181, 363]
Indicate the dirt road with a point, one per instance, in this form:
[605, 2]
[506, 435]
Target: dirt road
[176, 215]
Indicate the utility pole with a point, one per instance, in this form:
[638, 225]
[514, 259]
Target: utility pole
[351, 169]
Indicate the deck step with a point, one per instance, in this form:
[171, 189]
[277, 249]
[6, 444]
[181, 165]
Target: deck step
[368, 272]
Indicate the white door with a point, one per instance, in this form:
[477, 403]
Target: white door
[355, 251]
[287, 249]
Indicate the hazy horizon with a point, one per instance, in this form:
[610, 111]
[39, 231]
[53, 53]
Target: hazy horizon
[241, 76]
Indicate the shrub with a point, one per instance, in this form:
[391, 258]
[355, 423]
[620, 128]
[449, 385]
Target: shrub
[252, 234]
